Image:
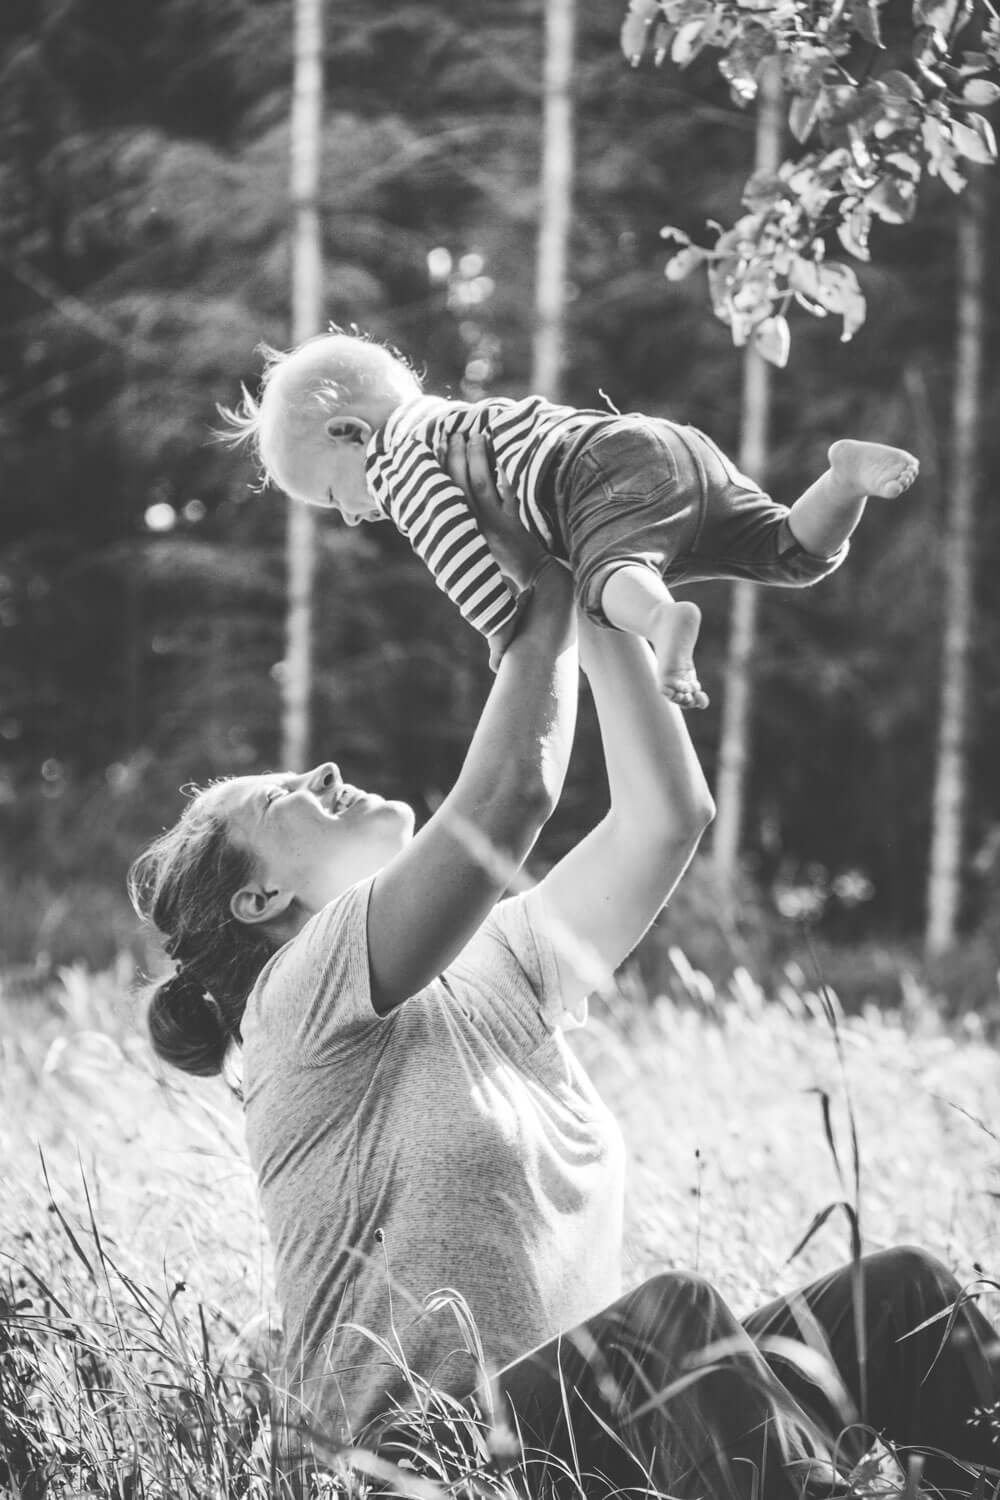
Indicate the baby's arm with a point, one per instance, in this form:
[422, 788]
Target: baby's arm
[434, 515]
[472, 465]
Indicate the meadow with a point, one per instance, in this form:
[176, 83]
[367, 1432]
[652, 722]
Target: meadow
[137, 1316]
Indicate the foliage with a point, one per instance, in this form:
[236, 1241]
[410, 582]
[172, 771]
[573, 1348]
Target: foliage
[881, 122]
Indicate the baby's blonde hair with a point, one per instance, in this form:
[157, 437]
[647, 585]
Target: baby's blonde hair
[301, 388]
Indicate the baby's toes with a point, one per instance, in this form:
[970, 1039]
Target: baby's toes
[684, 689]
[902, 481]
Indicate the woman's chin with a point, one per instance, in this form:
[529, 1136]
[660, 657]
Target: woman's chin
[399, 820]
[407, 818]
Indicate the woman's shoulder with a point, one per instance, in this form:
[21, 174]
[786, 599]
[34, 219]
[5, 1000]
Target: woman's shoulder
[316, 989]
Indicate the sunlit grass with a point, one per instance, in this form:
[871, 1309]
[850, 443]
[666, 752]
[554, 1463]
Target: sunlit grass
[137, 1316]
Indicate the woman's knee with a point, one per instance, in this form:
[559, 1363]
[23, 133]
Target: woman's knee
[673, 1297]
[910, 1269]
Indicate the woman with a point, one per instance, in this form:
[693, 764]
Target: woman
[416, 1121]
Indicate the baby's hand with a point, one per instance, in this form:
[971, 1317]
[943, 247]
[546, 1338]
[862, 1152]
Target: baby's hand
[501, 639]
[471, 464]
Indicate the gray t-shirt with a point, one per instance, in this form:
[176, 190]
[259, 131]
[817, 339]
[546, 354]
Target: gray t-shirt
[460, 1125]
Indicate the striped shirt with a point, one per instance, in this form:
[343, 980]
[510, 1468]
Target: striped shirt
[409, 484]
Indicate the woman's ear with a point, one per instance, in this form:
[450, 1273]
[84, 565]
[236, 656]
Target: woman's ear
[347, 428]
[254, 904]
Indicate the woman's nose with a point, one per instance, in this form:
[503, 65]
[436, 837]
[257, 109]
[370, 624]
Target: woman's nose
[325, 776]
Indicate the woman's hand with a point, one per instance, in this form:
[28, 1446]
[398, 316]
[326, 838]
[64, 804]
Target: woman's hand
[470, 462]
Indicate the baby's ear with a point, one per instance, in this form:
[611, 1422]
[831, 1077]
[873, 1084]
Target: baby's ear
[348, 429]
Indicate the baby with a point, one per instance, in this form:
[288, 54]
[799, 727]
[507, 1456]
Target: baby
[632, 503]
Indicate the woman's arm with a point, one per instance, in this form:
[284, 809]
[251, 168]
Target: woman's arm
[430, 899]
[602, 896]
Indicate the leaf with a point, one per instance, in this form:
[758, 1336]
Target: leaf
[717, 290]
[939, 15]
[763, 190]
[838, 285]
[938, 145]
[753, 296]
[975, 139]
[741, 64]
[854, 312]
[832, 166]
[831, 287]
[688, 42]
[803, 277]
[904, 164]
[678, 12]
[802, 114]
[811, 191]
[772, 338]
[635, 28]
[865, 20]
[901, 84]
[819, 1219]
[951, 175]
[684, 262]
[853, 231]
[893, 200]
[662, 32]
[981, 91]
[974, 62]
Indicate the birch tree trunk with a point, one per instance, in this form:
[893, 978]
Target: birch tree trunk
[307, 315]
[737, 691]
[944, 884]
[555, 199]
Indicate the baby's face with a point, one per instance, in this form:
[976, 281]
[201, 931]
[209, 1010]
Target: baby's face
[330, 472]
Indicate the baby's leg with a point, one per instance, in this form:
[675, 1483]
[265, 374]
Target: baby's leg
[636, 599]
[823, 518]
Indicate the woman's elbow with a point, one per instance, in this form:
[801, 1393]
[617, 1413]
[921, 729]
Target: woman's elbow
[682, 831]
[699, 816]
[522, 805]
[702, 814]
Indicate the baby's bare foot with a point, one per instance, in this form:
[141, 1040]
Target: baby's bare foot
[872, 468]
[673, 636]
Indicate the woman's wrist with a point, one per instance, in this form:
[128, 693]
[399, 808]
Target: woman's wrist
[548, 596]
[541, 562]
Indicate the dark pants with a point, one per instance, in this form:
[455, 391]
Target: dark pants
[648, 491]
[668, 1386]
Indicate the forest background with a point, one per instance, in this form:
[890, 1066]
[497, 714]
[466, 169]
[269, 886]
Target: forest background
[144, 253]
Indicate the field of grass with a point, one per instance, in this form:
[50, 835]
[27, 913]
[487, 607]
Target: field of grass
[134, 1276]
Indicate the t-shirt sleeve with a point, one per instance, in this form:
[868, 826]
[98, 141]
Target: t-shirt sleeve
[510, 966]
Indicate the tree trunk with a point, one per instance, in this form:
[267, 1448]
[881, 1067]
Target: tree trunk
[556, 199]
[737, 692]
[307, 315]
[944, 884]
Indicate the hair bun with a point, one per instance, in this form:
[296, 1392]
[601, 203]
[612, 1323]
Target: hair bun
[185, 1025]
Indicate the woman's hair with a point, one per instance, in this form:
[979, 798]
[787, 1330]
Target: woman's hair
[183, 883]
[301, 388]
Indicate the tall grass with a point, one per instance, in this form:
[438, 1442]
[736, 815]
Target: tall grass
[138, 1330]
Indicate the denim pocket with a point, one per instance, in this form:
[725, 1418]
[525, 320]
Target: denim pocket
[632, 459]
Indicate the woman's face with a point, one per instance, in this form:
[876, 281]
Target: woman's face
[311, 835]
